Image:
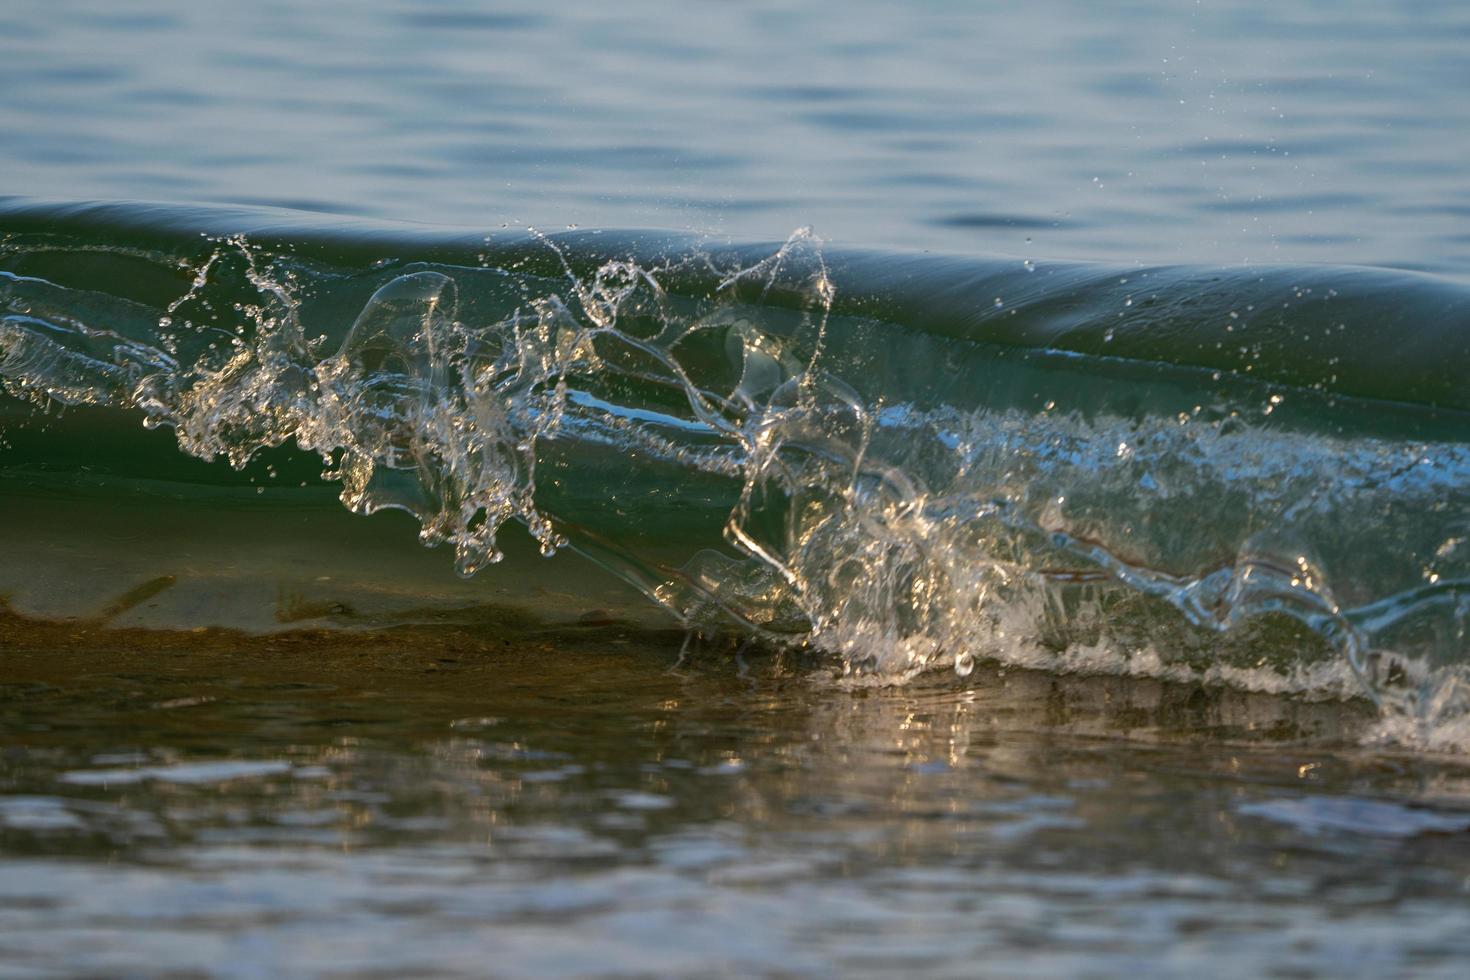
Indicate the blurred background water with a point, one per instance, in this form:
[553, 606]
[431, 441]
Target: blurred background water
[1144, 131]
[505, 797]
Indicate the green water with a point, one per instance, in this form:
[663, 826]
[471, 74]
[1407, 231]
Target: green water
[1195, 531]
[388, 771]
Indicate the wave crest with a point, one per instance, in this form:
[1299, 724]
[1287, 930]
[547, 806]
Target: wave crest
[725, 429]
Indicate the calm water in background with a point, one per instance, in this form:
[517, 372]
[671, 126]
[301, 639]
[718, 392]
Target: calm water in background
[567, 801]
[1138, 132]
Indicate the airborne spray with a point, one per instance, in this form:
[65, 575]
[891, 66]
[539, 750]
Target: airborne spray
[903, 463]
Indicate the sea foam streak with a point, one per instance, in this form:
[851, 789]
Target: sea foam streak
[1253, 478]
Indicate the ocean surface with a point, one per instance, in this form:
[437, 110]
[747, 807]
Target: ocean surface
[713, 488]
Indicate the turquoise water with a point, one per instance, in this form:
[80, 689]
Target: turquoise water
[1004, 511]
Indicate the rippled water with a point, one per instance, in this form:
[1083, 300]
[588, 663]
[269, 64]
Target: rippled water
[435, 803]
[1144, 132]
[1185, 540]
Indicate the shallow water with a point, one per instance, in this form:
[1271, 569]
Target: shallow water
[965, 587]
[434, 803]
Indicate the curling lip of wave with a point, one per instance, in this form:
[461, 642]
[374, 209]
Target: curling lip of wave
[1368, 332]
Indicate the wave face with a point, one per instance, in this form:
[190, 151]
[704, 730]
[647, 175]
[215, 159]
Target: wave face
[1256, 477]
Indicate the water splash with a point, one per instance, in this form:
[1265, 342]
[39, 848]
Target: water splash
[750, 451]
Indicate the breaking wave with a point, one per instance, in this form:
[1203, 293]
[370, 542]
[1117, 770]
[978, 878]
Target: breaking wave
[1253, 477]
